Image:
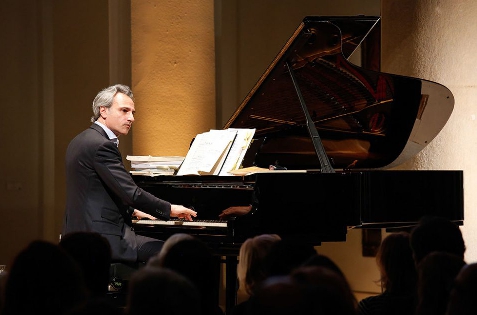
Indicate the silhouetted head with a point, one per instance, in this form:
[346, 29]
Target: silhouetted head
[286, 255]
[93, 254]
[319, 260]
[43, 279]
[154, 290]
[307, 290]
[396, 264]
[462, 300]
[193, 259]
[251, 268]
[436, 274]
[190, 257]
[171, 241]
[436, 234]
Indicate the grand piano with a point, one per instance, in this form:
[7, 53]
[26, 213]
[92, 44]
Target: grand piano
[333, 131]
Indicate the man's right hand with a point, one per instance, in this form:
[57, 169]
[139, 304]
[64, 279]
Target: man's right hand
[234, 212]
[182, 212]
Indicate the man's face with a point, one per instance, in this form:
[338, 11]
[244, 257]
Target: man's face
[120, 116]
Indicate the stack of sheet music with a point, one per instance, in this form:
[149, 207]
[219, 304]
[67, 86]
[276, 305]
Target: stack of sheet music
[154, 165]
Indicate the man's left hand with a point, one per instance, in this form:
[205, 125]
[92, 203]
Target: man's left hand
[142, 215]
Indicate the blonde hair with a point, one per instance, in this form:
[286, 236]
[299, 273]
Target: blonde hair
[251, 270]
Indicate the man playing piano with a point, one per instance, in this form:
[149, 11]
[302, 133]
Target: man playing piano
[101, 196]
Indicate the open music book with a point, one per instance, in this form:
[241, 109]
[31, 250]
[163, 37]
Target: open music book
[217, 152]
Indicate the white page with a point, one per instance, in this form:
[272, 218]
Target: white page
[238, 150]
[232, 136]
[205, 152]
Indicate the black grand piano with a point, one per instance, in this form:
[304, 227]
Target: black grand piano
[337, 129]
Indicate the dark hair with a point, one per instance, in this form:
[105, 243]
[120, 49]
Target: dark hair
[192, 258]
[92, 252]
[285, 255]
[396, 263]
[437, 272]
[307, 290]
[462, 300]
[323, 261]
[436, 234]
[163, 291]
[43, 279]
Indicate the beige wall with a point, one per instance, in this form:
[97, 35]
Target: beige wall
[433, 41]
[20, 127]
[80, 53]
[173, 74]
[54, 59]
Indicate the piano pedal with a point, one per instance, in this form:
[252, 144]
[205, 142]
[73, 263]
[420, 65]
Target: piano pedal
[116, 285]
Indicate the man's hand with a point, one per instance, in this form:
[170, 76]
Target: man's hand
[182, 212]
[234, 212]
[142, 215]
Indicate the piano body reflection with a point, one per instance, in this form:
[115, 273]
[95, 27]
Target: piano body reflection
[337, 128]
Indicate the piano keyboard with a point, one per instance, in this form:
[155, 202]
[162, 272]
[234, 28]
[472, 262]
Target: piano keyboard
[182, 223]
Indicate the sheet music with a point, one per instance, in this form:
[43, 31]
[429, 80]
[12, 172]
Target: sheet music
[237, 151]
[206, 155]
[148, 165]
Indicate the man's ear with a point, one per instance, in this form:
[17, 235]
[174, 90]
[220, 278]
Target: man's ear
[103, 112]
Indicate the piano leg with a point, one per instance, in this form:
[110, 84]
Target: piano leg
[230, 283]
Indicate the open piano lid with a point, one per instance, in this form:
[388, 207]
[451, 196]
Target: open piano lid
[365, 119]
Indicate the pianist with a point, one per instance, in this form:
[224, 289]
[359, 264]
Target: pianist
[101, 196]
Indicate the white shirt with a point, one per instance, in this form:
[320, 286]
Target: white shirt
[108, 131]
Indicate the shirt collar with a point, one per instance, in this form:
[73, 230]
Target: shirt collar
[108, 131]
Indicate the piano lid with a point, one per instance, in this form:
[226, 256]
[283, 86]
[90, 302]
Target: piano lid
[365, 119]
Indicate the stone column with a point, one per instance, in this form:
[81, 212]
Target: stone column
[435, 40]
[173, 74]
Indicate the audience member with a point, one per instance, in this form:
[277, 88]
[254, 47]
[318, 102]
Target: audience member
[398, 278]
[251, 268]
[286, 255]
[171, 241]
[319, 260]
[462, 300]
[93, 254]
[43, 279]
[155, 290]
[193, 259]
[307, 290]
[281, 277]
[436, 234]
[436, 274]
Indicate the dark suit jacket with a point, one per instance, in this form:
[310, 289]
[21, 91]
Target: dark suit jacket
[101, 194]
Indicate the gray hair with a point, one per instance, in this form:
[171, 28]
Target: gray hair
[106, 96]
